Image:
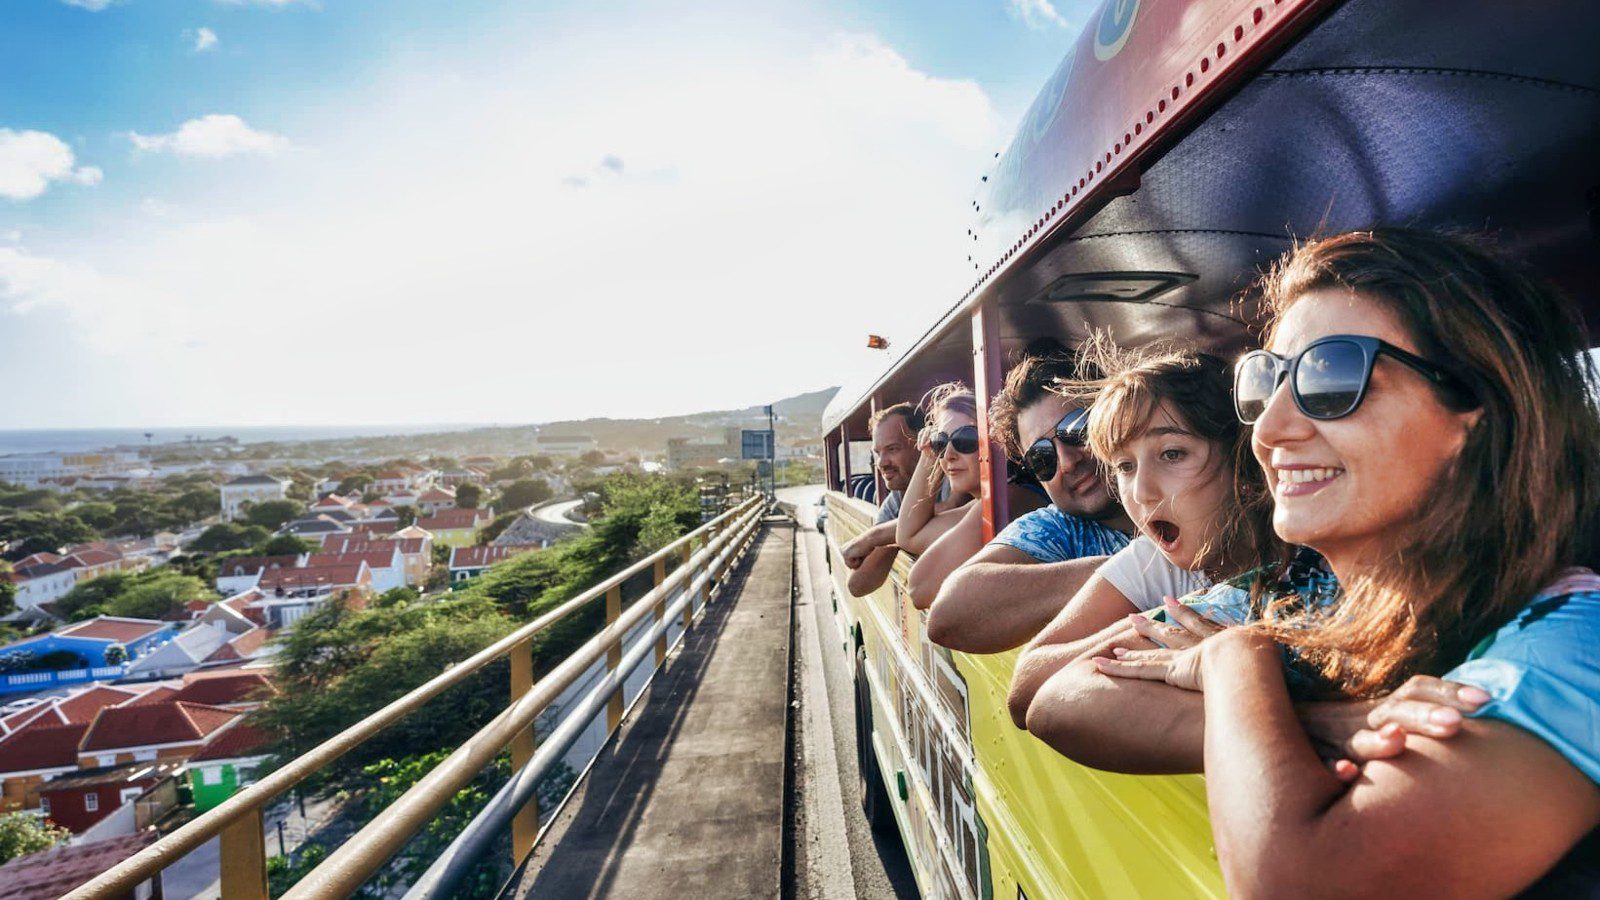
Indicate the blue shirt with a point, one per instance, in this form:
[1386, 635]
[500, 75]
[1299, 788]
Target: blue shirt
[1542, 670]
[1050, 535]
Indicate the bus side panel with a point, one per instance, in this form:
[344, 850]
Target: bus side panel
[991, 812]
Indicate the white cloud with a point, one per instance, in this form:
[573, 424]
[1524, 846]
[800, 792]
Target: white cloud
[1037, 13]
[735, 239]
[212, 137]
[30, 160]
[204, 39]
[274, 4]
[91, 5]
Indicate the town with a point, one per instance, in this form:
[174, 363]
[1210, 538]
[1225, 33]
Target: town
[169, 611]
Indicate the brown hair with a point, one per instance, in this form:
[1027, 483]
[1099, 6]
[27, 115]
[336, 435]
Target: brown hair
[1030, 381]
[1197, 387]
[913, 417]
[1515, 508]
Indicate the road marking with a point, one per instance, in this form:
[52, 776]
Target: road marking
[827, 848]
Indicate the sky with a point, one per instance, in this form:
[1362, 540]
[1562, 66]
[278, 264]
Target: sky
[326, 212]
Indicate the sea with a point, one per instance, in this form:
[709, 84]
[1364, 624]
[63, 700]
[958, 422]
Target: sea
[76, 440]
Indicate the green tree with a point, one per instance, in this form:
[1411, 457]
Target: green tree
[163, 596]
[196, 504]
[468, 496]
[405, 515]
[35, 532]
[525, 492]
[22, 833]
[284, 545]
[592, 458]
[230, 536]
[355, 482]
[97, 515]
[8, 591]
[489, 532]
[273, 513]
[88, 599]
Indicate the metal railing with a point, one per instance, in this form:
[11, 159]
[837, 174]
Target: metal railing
[239, 820]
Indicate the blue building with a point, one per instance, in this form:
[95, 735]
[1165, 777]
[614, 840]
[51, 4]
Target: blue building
[97, 650]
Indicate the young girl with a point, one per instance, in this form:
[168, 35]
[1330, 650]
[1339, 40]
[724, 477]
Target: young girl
[1162, 423]
[1425, 418]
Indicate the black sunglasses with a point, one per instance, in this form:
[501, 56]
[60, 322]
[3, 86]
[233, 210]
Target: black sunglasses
[1041, 457]
[1328, 379]
[963, 439]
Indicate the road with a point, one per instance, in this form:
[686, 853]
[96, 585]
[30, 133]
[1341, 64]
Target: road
[837, 855]
[556, 513]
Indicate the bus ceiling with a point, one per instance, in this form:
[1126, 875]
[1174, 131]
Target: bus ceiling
[1181, 146]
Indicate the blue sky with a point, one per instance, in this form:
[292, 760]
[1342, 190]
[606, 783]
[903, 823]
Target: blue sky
[284, 212]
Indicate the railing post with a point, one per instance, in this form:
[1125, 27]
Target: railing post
[688, 585]
[661, 611]
[244, 858]
[614, 658]
[525, 824]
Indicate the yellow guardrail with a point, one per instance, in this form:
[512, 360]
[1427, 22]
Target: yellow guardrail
[239, 823]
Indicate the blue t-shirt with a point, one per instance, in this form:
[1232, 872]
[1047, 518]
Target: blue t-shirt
[1050, 535]
[1542, 670]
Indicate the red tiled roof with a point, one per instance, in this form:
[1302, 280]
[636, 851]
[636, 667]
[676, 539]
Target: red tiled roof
[47, 747]
[91, 558]
[146, 724]
[453, 518]
[375, 559]
[332, 501]
[478, 557]
[223, 689]
[346, 543]
[240, 740]
[390, 475]
[107, 628]
[250, 565]
[242, 647]
[159, 694]
[338, 575]
[34, 559]
[437, 495]
[33, 717]
[56, 872]
[81, 707]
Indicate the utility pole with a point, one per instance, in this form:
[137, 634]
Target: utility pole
[772, 457]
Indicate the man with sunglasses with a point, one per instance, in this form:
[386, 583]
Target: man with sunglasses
[1013, 587]
[871, 555]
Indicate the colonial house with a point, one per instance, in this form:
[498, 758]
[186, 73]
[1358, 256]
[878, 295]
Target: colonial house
[76, 802]
[241, 573]
[314, 527]
[140, 732]
[43, 741]
[58, 871]
[416, 553]
[456, 527]
[226, 763]
[465, 475]
[434, 499]
[184, 653]
[391, 481]
[470, 562]
[250, 489]
[98, 649]
[288, 594]
[41, 578]
[385, 562]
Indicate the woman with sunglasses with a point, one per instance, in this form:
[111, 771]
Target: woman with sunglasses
[1425, 421]
[1162, 424]
[948, 450]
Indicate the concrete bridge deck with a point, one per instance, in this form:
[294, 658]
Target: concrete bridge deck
[688, 801]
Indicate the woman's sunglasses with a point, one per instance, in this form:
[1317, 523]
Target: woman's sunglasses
[1041, 457]
[1328, 379]
[964, 440]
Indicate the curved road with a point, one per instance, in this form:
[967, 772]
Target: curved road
[556, 513]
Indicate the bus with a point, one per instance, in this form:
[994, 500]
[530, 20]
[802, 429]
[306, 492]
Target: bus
[1180, 147]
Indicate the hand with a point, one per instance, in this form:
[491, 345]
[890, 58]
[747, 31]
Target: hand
[924, 440]
[1189, 627]
[1179, 668]
[855, 552]
[1353, 733]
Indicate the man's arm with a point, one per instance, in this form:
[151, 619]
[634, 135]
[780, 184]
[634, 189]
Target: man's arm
[1002, 597]
[873, 571]
[1482, 814]
[1079, 629]
[944, 555]
[857, 549]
